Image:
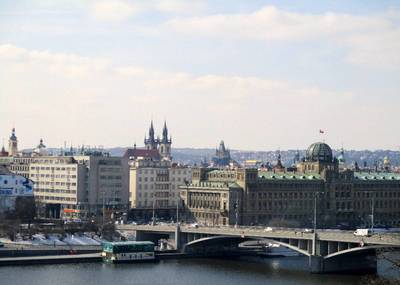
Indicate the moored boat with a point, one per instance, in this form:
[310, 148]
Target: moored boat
[129, 251]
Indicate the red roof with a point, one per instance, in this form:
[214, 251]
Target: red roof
[140, 152]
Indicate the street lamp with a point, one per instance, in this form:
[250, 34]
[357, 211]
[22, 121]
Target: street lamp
[104, 206]
[154, 212]
[372, 211]
[316, 194]
[236, 205]
[177, 212]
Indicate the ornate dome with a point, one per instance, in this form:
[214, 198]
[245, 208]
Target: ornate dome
[319, 152]
[40, 149]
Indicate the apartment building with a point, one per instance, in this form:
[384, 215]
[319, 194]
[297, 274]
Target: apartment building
[79, 186]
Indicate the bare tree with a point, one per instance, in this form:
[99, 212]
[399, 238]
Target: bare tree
[393, 259]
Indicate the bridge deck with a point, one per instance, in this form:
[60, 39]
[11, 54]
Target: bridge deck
[388, 239]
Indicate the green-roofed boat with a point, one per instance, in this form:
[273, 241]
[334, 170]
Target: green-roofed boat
[129, 251]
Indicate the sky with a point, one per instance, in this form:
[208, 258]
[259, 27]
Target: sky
[260, 75]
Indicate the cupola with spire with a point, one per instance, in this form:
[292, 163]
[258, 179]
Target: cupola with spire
[151, 142]
[165, 143]
[13, 144]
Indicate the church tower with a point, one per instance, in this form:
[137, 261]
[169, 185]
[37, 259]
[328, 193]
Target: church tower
[13, 144]
[165, 143]
[150, 142]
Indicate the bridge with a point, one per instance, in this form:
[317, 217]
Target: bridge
[327, 250]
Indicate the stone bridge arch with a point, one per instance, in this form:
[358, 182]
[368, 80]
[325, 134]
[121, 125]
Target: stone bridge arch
[226, 244]
[355, 250]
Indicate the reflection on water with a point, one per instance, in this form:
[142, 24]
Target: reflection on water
[274, 271]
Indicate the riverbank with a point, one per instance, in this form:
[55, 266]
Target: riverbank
[37, 256]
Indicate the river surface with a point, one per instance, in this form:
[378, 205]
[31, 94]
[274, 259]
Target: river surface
[272, 271]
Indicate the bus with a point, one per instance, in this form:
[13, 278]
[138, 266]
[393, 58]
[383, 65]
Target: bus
[128, 251]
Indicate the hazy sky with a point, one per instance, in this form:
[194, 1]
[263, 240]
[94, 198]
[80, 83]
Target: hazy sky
[261, 75]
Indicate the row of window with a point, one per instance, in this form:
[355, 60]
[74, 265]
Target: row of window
[152, 171]
[378, 194]
[111, 185]
[37, 168]
[157, 187]
[157, 204]
[284, 204]
[110, 177]
[54, 183]
[52, 161]
[378, 204]
[280, 195]
[56, 198]
[55, 191]
[19, 167]
[53, 176]
[377, 186]
[287, 185]
[160, 179]
[157, 194]
[110, 169]
[206, 204]
[212, 217]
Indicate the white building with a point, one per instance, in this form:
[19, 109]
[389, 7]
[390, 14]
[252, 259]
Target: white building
[79, 185]
[11, 187]
[154, 182]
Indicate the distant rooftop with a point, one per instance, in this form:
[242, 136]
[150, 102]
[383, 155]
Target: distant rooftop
[141, 152]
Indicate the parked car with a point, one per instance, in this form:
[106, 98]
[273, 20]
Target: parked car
[307, 230]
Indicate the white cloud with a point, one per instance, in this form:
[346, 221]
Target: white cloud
[179, 6]
[84, 96]
[120, 10]
[113, 11]
[109, 104]
[371, 40]
[68, 65]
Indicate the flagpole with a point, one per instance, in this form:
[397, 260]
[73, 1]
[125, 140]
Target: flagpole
[322, 134]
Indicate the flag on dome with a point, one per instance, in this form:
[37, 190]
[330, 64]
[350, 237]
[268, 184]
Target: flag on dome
[321, 131]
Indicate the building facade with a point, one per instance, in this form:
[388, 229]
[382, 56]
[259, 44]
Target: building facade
[290, 198]
[79, 186]
[154, 179]
[156, 183]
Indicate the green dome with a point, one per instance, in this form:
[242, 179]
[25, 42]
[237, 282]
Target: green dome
[319, 152]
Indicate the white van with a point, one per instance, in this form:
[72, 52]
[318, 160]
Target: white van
[363, 232]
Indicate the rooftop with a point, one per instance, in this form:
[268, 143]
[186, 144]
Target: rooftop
[141, 152]
[212, 184]
[376, 176]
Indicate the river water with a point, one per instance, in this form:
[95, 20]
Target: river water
[272, 271]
